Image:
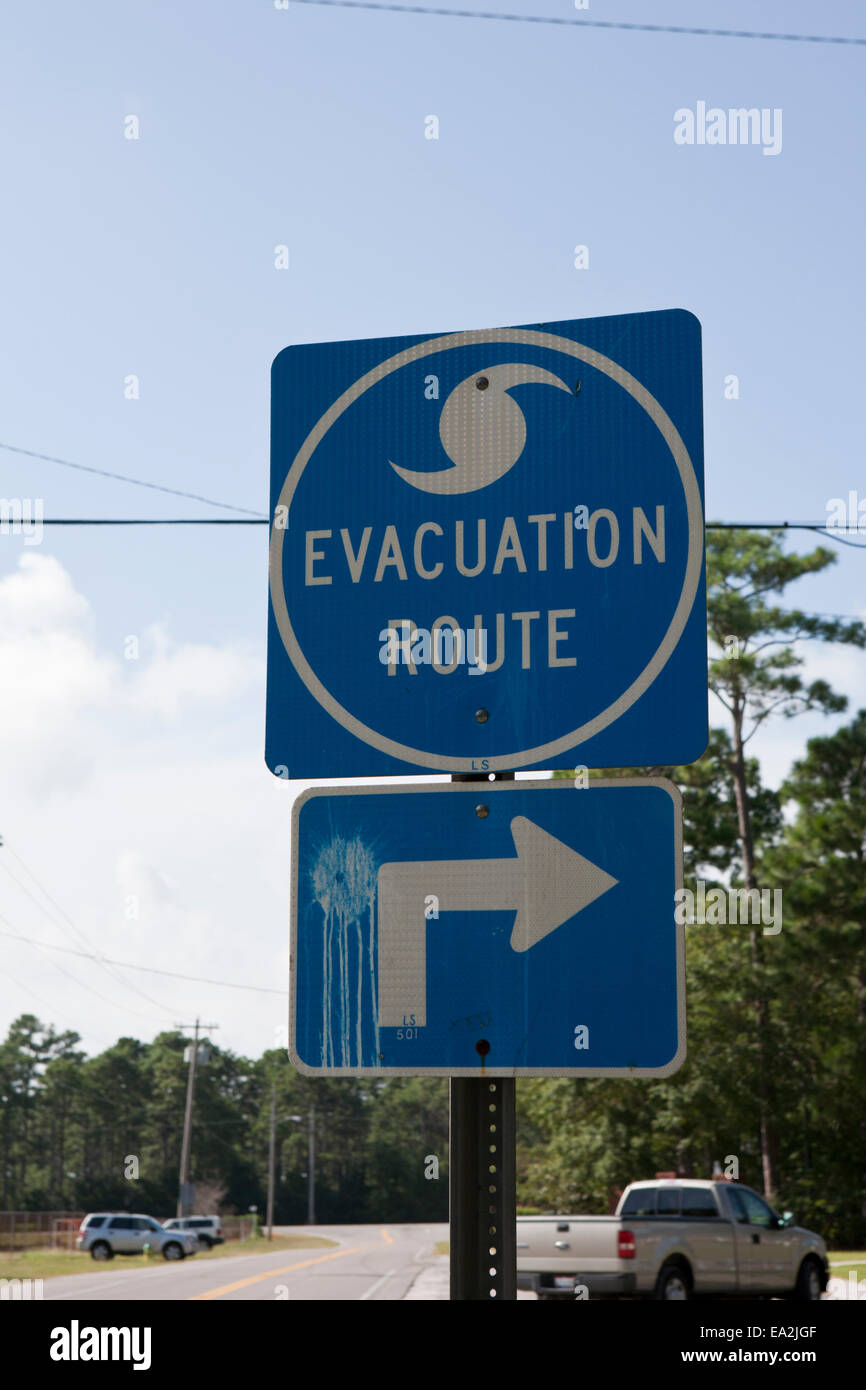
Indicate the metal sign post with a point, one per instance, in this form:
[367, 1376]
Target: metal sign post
[483, 1189]
[482, 1174]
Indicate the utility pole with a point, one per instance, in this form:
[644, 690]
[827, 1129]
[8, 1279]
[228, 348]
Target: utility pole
[182, 1202]
[272, 1144]
[311, 1170]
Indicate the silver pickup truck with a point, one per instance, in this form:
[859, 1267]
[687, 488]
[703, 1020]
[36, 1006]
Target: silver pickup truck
[673, 1239]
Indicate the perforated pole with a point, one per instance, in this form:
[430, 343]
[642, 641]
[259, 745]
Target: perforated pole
[483, 1189]
[483, 1178]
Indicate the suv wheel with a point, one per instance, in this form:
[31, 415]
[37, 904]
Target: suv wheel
[172, 1251]
[101, 1250]
[205, 1241]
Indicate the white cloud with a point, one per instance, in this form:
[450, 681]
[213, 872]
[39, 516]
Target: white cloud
[62, 700]
[39, 597]
[52, 675]
[182, 673]
[136, 878]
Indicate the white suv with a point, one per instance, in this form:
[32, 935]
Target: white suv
[208, 1228]
[109, 1233]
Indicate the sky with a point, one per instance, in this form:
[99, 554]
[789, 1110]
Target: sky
[133, 790]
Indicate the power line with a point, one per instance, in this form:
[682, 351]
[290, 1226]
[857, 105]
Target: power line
[151, 970]
[51, 1007]
[581, 23]
[125, 478]
[255, 520]
[67, 923]
[785, 525]
[80, 983]
[842, 540]
[823, 526]
[833, 533]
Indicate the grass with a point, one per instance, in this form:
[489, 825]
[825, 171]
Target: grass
[841, 1261]
[48, 1264]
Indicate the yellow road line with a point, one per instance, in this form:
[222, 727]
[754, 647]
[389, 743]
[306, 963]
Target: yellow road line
[389, 1240]
[272, 1274]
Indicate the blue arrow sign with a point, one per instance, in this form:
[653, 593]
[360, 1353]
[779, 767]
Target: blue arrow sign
[488, 929]
[487, 550]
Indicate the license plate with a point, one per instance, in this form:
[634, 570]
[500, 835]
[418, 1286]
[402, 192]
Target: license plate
[563, 1281]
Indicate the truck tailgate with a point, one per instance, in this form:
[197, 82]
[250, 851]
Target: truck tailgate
[565, 1244]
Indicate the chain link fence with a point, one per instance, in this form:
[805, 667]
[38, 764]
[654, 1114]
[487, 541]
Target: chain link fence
[32, 1230]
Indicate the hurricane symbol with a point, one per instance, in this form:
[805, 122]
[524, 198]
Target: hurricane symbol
[483, 430]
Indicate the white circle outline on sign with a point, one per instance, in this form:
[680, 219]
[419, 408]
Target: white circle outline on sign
[525, 337]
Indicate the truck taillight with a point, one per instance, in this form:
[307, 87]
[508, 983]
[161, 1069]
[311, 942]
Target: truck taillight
[625, 1245]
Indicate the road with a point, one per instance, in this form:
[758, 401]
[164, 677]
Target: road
[367, 1263]
[372, 1263]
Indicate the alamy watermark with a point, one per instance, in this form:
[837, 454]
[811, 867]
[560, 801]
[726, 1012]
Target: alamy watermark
[21, 1290]
[22, 516]
[741, 125]
[846, 513]
[77, 1343]
[854, 1290]
[444, 647]
[720, 907]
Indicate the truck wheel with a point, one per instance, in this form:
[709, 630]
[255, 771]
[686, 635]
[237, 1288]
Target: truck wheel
[810, 1284]
[672, 1284]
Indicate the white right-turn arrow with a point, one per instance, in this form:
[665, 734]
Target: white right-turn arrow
[545, 885]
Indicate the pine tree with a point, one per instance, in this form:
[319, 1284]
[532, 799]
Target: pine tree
[755, 673]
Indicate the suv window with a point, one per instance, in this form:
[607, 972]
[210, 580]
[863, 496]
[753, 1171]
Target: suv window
[698, 1203]
[121, 1223]
[194, 1225]
[94, 1221]
[641, 1201]
[669, 1201]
